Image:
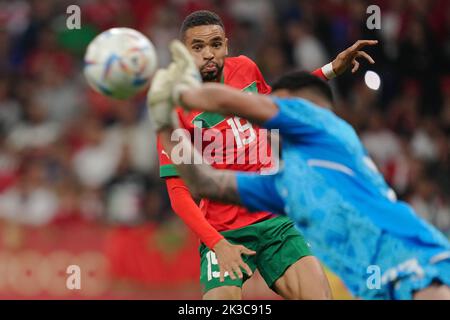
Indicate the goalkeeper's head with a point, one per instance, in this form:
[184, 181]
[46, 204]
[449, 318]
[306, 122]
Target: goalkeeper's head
[304, 85]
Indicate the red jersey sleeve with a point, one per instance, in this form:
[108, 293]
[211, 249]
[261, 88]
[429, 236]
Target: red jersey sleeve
[186, 208]
[166, 167]
[181, 200]
[255, 75]
[261, 84]
[319, 73]
[263, 87]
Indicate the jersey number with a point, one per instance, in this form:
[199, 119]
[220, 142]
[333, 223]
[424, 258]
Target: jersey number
[238, 128]
[212, 260]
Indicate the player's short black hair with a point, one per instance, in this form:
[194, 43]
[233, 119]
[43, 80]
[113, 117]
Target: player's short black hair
[200, 18]
[297, 80]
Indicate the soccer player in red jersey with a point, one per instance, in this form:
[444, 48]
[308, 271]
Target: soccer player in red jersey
[269, 243]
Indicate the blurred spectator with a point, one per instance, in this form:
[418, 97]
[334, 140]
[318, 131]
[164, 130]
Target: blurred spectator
[36, 131]
[32, 200]
[107, 14]
[126, 192]
[162, 31]
[255, 11]
[10, 111]
[309, 54]
[431, 205]
[68, 210]
[381, 143]
[134, 134]
[96, 161]
[58, 95]
[403, 114]
[424, 142]
[9, 161]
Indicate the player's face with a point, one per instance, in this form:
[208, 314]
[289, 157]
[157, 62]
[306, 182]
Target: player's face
[208, 46]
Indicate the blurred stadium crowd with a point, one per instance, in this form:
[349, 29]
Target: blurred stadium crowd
[69, 154]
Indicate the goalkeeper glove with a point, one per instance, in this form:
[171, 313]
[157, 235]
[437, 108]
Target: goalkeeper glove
[159, 99]
[187, 74]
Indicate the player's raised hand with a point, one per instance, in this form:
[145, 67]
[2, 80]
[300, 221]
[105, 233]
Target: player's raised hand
[229, 257]
[187, 74]
[159, 97]
[348, 58]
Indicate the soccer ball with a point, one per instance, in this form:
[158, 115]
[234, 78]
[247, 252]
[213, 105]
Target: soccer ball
[119, 62]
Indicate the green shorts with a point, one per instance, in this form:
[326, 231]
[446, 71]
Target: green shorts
[277, 243]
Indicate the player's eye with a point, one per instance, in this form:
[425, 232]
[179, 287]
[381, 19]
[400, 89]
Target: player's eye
[197, 47]
[217, 45]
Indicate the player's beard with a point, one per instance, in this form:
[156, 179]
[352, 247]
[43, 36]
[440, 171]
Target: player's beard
[212, 75]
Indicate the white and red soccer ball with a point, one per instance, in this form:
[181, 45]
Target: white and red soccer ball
[119, 62]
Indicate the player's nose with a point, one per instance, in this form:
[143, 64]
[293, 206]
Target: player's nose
[208, 53]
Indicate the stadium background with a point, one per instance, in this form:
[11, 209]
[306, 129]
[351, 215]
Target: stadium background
[79, 174]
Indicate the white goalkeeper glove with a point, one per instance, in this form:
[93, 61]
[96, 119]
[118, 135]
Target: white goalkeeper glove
[187, 74]
[159, 97]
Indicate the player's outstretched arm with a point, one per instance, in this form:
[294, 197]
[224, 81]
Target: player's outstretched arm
[345, 60]
[348, 58]
[221, 99]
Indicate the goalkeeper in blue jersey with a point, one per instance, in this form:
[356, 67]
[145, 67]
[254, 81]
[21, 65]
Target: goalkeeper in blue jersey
[328, 184]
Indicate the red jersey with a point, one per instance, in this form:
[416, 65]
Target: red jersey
[241, 143]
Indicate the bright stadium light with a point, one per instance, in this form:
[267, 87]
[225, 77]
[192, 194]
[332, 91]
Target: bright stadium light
[373, 80]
